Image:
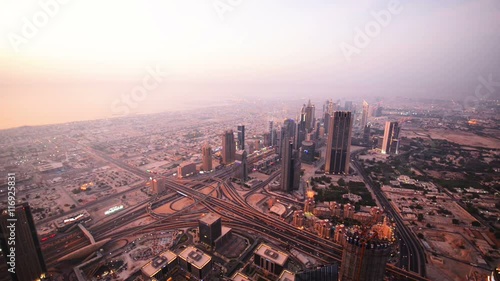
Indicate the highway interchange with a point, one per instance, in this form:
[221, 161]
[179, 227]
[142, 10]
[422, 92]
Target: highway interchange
[236, 213]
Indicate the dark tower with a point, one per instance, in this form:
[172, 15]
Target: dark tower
[210, 228]
[228, 147]
[338, 148]
[241, 137]
[28, 259]
[290, 168]
[242, 166]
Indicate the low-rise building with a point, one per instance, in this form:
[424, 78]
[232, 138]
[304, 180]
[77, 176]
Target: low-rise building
[195, 262]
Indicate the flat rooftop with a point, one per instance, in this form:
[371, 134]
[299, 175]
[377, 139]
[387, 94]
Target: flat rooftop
[286, 276]
[196, 257]
[271, 254]
[209, 218]
[187, 163]
[157, 263]
[240, 277]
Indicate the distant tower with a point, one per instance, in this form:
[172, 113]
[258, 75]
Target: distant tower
[300, 128]
[366, 134]
[29, 262]
[241, 137]
[228, 147]
[272, 136]
[158, 185]
[365, 253]
[242, 167]
[326, 122]
[391, 138]
[330, 107]
[309, 115]
[287, 132]
[307, 152]
[364, 117]
[338, 148]
[290, 168]
[348, 106]
[206, 154]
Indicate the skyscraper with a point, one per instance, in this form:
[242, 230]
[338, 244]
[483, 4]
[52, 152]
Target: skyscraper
[241, 137]
[366, 252]
[338, 148]
[300, 135]
[272, 134]
[158, 185]
[330, 107]
[290, 167]
[366, 134]
[364, 116]
[348, 106]
[309, 116]
[287, 132]
[391, 138]
[28, 258]
[210, 228]
[308, 151]
[326, 122]
[228, 147]
[206, 153]
[242, 167]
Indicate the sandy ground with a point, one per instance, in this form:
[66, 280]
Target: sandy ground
[97, 211]
[255, 198]
[449, 271]
[181, 204]
[209, 189]
[164, 209]
[259, 176]
[459, 137]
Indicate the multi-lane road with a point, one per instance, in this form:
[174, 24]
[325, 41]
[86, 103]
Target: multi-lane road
[412, 256]
[236, 213]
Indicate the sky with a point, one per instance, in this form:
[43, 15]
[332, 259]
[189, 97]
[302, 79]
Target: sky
[68, 60]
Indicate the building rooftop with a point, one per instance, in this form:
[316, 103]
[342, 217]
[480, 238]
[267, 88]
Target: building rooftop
[209, 218]
[287, 276]
[157, 263]
[184, 164]
[240, 277]
[278, 209]
[196, 257]
[271, 254]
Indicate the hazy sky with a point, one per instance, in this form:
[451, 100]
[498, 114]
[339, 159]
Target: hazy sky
[83, 59]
